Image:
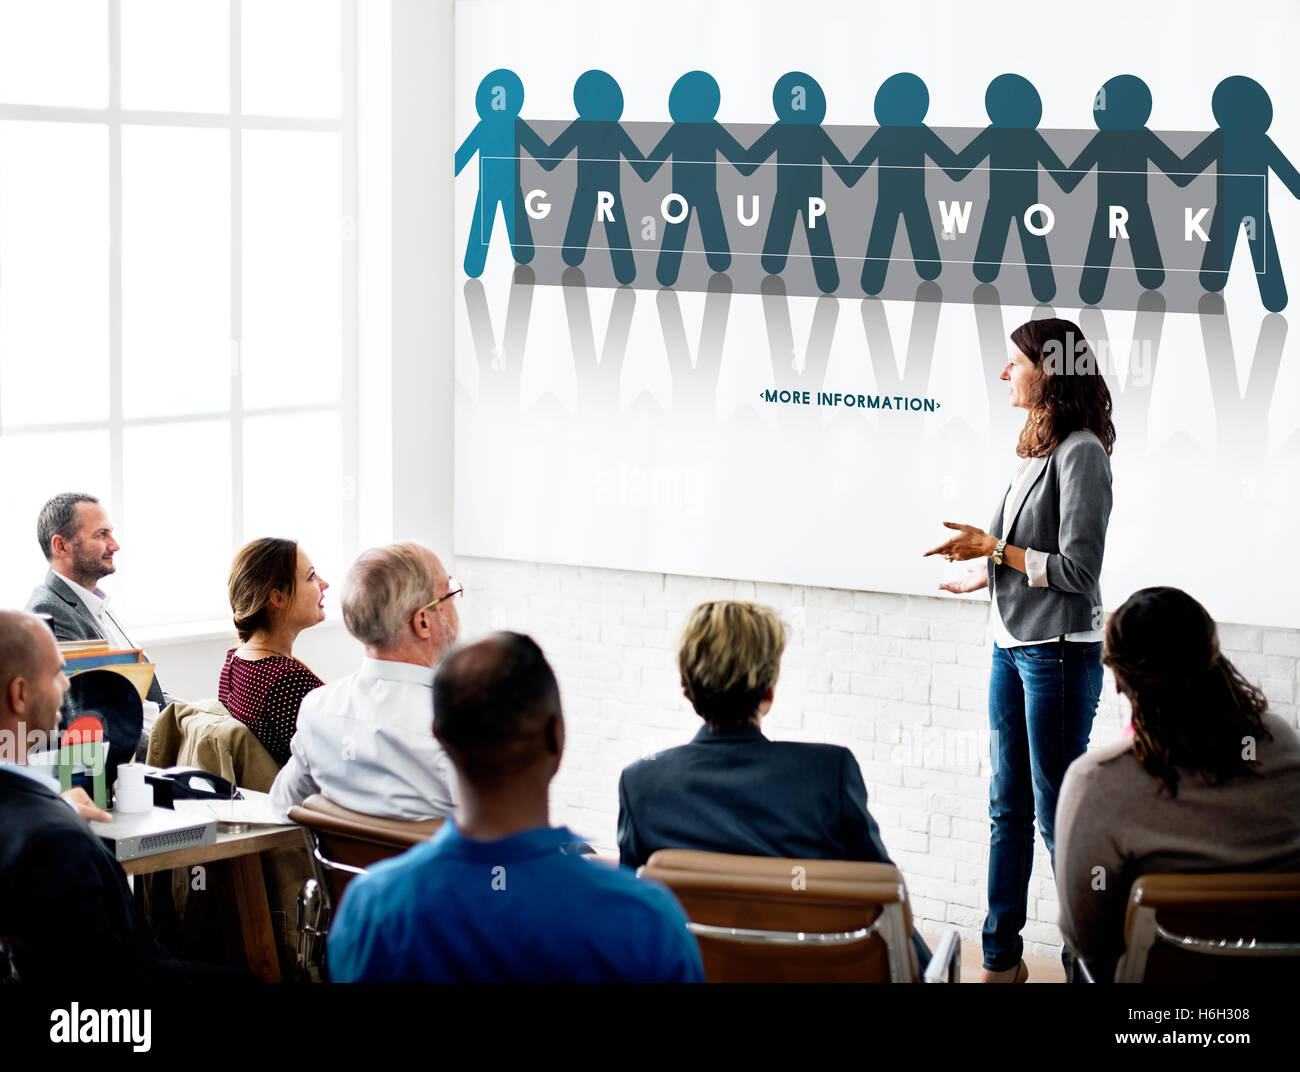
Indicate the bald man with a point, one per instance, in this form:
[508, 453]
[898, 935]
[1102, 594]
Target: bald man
[366, 741]
[31, 701]
[64, 901]
[498, 894]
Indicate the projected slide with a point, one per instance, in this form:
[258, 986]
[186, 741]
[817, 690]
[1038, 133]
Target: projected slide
[737, 306]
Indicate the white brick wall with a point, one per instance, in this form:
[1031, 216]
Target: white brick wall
[900, 680]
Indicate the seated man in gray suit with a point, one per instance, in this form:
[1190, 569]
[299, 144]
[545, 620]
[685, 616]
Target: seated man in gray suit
[731, 789]
[76, 538]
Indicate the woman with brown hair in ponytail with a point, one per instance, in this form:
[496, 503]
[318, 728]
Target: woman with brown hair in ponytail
[1208, 781]
[275, 593]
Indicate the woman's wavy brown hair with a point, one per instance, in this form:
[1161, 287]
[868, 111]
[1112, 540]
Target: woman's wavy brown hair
[1191, 706]
[260, 568]
[1072, 394]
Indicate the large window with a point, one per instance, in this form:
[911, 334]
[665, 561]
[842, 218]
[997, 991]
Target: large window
[178, 285]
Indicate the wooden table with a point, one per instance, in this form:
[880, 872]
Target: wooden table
[242, 855]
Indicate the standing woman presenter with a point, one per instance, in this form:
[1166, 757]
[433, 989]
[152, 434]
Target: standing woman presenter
[1041, 560]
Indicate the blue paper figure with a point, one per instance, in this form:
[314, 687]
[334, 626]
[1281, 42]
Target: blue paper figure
[900, 148]
[498, 138]
[600, 143]
[1014, 149]
[1120, 151]
[694, 141]
[1244, 154]
[801, 146]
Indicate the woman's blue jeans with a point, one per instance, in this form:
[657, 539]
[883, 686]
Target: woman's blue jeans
[1042, 699]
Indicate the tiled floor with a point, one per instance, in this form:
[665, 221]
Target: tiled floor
[1041, 970]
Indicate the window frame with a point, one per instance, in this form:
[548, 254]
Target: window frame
[115, 119]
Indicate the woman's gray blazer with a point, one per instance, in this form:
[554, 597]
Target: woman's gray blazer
[1062, 509]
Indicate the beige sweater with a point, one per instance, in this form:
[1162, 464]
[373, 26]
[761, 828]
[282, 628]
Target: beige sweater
[1110, 816]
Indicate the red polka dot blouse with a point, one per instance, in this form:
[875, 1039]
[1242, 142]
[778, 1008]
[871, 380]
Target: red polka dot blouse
[265, 696]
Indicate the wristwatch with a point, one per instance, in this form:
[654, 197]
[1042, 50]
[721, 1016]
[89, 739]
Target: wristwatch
[997, 552]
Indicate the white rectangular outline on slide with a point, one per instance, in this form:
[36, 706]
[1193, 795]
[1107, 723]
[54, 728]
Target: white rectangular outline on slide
[901, 167]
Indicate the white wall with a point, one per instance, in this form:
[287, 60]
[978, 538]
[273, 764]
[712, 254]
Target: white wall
[422, 283]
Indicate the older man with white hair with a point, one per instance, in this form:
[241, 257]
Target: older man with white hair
[366, 741]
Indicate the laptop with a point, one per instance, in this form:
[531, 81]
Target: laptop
[129, 837]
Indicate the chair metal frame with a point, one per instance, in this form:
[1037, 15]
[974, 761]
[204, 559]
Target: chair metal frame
[945, 961]
[311, 925]
[1147, 931]
[316, 904]
[889, 926]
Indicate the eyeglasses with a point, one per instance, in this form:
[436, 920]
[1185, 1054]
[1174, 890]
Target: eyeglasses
[454, 588]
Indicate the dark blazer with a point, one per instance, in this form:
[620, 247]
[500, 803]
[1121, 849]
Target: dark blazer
[64, 897]
[740, 793]
[72, 620]
[1062, 509]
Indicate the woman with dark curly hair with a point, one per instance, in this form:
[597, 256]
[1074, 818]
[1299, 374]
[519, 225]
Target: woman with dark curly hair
[1208, 781]
[1041, 560]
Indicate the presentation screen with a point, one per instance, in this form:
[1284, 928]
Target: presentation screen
[736, 283]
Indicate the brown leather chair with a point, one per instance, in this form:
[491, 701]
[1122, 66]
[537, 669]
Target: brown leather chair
[342, 844]
[1212, 928]
[765, 919]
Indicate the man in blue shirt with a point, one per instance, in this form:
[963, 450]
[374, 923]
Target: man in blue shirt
[496, 895]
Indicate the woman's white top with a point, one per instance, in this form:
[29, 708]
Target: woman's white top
[1036, 568]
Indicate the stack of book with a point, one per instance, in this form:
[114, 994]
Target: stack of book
[82, 655]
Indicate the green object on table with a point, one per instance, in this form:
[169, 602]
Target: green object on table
[92, 754]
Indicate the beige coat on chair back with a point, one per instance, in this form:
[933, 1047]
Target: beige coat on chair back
[203, 734]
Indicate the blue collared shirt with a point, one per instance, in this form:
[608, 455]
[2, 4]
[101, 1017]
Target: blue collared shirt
[519, 909]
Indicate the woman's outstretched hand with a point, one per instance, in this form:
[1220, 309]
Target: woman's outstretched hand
[977, 577]
[970, 543]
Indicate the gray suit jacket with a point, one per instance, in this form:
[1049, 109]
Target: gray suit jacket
[1062, 509]
[72, 620]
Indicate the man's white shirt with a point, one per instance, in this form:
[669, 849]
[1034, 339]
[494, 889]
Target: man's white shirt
[366, 742]
[97, 603]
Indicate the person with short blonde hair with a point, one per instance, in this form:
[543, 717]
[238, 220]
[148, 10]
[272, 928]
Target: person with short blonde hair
[731, 789]
[366, 741]
[730, 657]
